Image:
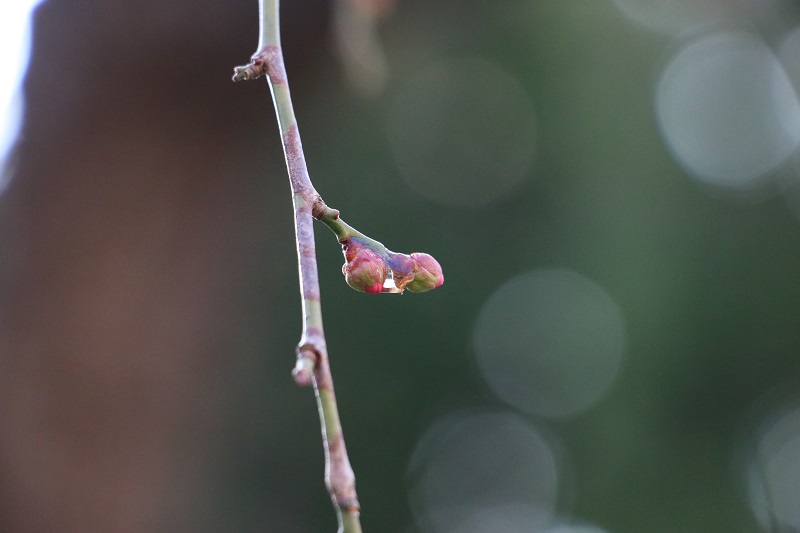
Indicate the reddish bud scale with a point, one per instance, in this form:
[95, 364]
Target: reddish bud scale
[374, 289]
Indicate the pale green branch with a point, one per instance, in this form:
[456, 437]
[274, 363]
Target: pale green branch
[312, 365]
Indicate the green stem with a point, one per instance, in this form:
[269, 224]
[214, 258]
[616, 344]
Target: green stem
[270, 33]
[343, 231]
[312, 366]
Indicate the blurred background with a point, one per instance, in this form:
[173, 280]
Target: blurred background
[611, 186]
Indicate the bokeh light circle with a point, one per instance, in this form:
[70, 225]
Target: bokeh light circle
[727, 110]
[774, 477]
[474, 470]
[505, 518]
[462, 133]
[675, 16]
[789, 55]
[575, 528]
[549, 342]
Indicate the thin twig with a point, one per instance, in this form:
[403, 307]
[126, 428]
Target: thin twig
[313, 367]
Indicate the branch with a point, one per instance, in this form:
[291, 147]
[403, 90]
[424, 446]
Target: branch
[312, 365]
[369, 267]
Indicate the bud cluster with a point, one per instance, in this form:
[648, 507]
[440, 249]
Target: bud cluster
[366, 270]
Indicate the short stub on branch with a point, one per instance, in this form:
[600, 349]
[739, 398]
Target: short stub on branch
[303, 372]
[254, 69]
[266, 62]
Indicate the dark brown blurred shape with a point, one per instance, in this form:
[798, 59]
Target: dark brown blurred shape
[122, 263]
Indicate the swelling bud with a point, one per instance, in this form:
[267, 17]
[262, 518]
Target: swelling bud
[364, 270]
[427, 273]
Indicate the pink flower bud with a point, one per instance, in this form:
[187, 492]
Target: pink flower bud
[427, 273]
[364, 270]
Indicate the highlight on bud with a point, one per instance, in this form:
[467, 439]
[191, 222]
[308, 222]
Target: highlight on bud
[364, 270]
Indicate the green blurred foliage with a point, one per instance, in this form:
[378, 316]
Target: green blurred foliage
[709, 287]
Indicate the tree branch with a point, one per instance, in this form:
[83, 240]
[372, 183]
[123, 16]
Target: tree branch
[369, 267]
[313, 367]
